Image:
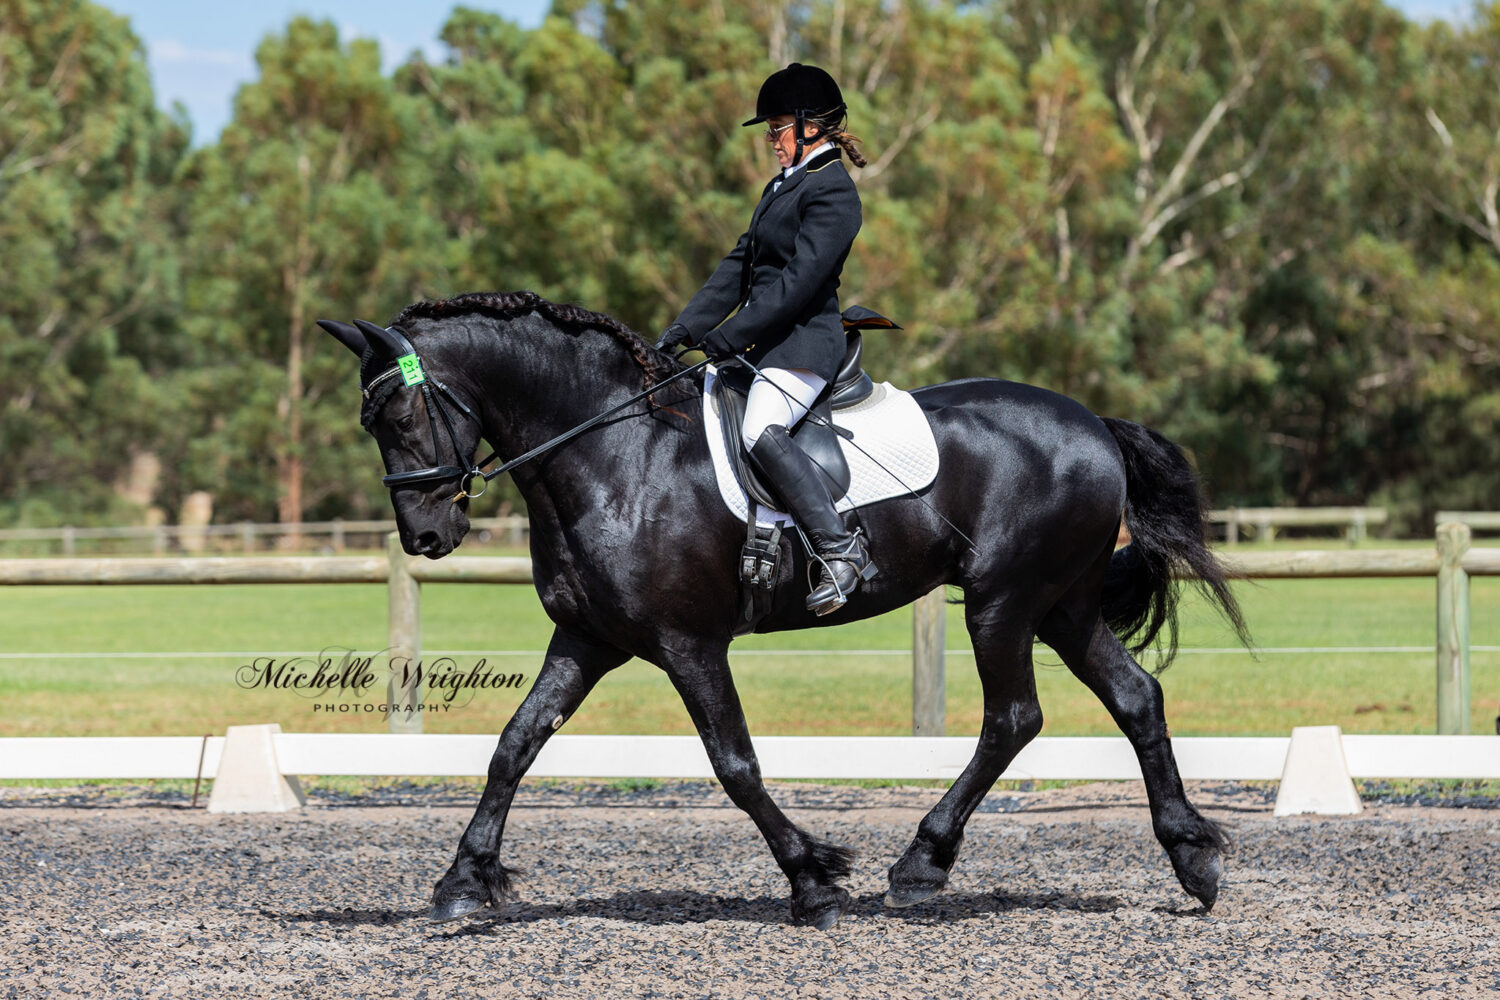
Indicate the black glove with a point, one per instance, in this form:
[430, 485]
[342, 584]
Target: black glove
[673, 337]
[717, 346]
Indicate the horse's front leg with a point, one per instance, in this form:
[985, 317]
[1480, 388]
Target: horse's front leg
[700, 672]
[477, 878]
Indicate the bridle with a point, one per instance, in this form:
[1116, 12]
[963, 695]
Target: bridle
[408, 367]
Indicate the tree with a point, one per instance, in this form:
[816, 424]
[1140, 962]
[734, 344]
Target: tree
[86, 245]
[300, 210]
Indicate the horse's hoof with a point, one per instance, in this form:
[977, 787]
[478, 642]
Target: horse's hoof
[916, 877]
[910, 895]
[454, 909]
[824, 914]
[822, 918]
[825, 918]
[1200, 870]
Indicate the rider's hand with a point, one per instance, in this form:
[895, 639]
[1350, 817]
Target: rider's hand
[673, 337]
[717, 346]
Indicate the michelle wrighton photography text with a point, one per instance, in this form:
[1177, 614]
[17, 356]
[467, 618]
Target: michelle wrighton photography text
[336, 680]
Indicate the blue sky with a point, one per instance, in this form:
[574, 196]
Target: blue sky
[200, 51]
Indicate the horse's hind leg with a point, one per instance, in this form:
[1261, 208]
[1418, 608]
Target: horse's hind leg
[1012, 718]
[572, 667]
[813, 867]
[1134, 699]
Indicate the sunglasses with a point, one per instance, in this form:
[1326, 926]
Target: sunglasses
[774, 133]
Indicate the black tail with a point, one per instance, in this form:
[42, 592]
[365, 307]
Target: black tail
[1164, 514]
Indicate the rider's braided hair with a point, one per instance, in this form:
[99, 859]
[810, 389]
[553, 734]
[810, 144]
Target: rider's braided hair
[832, 124]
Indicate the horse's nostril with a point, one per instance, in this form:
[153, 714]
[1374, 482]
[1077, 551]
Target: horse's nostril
[427, 541]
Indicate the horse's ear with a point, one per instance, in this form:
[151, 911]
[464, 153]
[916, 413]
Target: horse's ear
[345, 334]
[382, 341]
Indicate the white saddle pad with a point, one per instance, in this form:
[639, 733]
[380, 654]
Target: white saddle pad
[893, 451]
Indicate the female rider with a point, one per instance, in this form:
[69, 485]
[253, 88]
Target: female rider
[783, 274]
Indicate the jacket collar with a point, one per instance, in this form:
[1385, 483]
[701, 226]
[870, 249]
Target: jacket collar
[817, 161]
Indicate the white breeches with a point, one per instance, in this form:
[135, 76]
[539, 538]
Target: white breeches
[778, 396]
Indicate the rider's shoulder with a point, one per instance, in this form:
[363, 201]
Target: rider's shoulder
[828, 166]
[830, 176]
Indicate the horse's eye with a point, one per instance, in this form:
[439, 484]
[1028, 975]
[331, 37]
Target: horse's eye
[404, 422]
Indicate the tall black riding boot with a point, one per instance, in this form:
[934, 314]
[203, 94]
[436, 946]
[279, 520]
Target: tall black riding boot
[796, 479]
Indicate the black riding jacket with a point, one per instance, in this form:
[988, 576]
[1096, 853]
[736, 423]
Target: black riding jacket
[788, 265]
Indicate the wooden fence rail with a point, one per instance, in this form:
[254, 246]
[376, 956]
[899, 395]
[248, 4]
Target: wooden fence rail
[1451, 565]
[246, 536]
[1479, 520]
[1263, 521]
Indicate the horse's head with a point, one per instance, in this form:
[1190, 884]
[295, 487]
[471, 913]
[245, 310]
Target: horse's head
[427, 436]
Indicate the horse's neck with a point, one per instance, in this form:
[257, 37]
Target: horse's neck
[535, 395]
[536, 382]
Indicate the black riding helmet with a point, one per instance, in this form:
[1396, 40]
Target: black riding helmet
[800, 91]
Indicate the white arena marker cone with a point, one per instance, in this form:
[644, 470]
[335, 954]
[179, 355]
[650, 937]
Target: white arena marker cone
[1315, 777]
[249, 779]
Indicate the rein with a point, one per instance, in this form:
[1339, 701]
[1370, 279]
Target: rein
[566, 436]
[409, 367]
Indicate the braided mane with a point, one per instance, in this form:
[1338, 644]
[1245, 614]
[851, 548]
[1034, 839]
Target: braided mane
[573, 319]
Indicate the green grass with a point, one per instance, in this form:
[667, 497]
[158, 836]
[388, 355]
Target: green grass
[836, 690]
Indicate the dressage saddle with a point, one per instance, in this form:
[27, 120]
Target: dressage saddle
[817, 434]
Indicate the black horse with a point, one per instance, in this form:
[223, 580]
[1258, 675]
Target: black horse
[634, 554]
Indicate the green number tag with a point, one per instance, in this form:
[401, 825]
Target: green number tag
[411, 369]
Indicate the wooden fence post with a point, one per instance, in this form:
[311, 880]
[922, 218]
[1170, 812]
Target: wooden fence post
[1452, 629]
[404, 637]
[928, 676]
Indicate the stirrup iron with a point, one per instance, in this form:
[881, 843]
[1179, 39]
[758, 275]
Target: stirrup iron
[828, 593]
